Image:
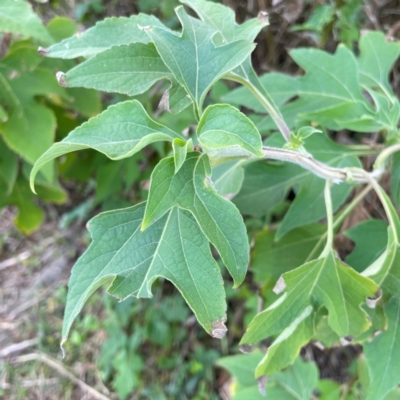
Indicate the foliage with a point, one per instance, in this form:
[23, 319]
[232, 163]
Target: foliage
[34, 109]
[228, 157]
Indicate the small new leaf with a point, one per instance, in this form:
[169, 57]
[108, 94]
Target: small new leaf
[227, 133]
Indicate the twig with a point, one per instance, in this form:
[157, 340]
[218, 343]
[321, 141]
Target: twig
[57, 366]
[318, 168]
[16, 347]
[32, 383]
[14, 260]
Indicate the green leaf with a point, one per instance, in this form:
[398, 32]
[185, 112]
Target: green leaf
[105, 34]
[225, 133]
[294, 383]
[376, 60]
[129, 260]
[328, 390]
[266, 184]
[330, 94]
[370, 238]
[324, 282]
[8, 166]
[280, 87]
[378, 324]
[200, 64]
[61, 28]
[29, 129]
[3, 115]
[323, 333]
[271, 259]
[181, 148]
[119, 132]
[128, 69]
[223, 20]
[382, 355]
[17, 17]
[331, 85]
[191, 189]
[385, 271]
[228, 178]
[30, 216]
[242, 367]
[286, 347]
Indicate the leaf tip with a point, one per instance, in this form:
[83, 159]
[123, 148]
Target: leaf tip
[344, 341]
[64, 339]
[218, 328]
[61, 79]
[42, 50]
[245, 348]
[372, 302]
[262, 385]
[263, 17]
[164, 102]
[279, 286]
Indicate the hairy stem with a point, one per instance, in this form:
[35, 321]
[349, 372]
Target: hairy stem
[318, 168]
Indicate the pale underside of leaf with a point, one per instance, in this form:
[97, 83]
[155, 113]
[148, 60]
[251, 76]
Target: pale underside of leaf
[118, 132]
[105, 34]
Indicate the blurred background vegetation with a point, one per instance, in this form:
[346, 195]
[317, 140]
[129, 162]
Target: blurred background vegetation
[137, 349]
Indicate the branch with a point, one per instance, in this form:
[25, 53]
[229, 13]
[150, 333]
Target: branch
[57, 366]
[318, 168]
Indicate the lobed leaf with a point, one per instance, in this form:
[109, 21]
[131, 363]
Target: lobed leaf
[119, 132]
[376, 60]
[129, 261]
[201, 63]
[223, 20]
[324, 282]
[191, 189]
